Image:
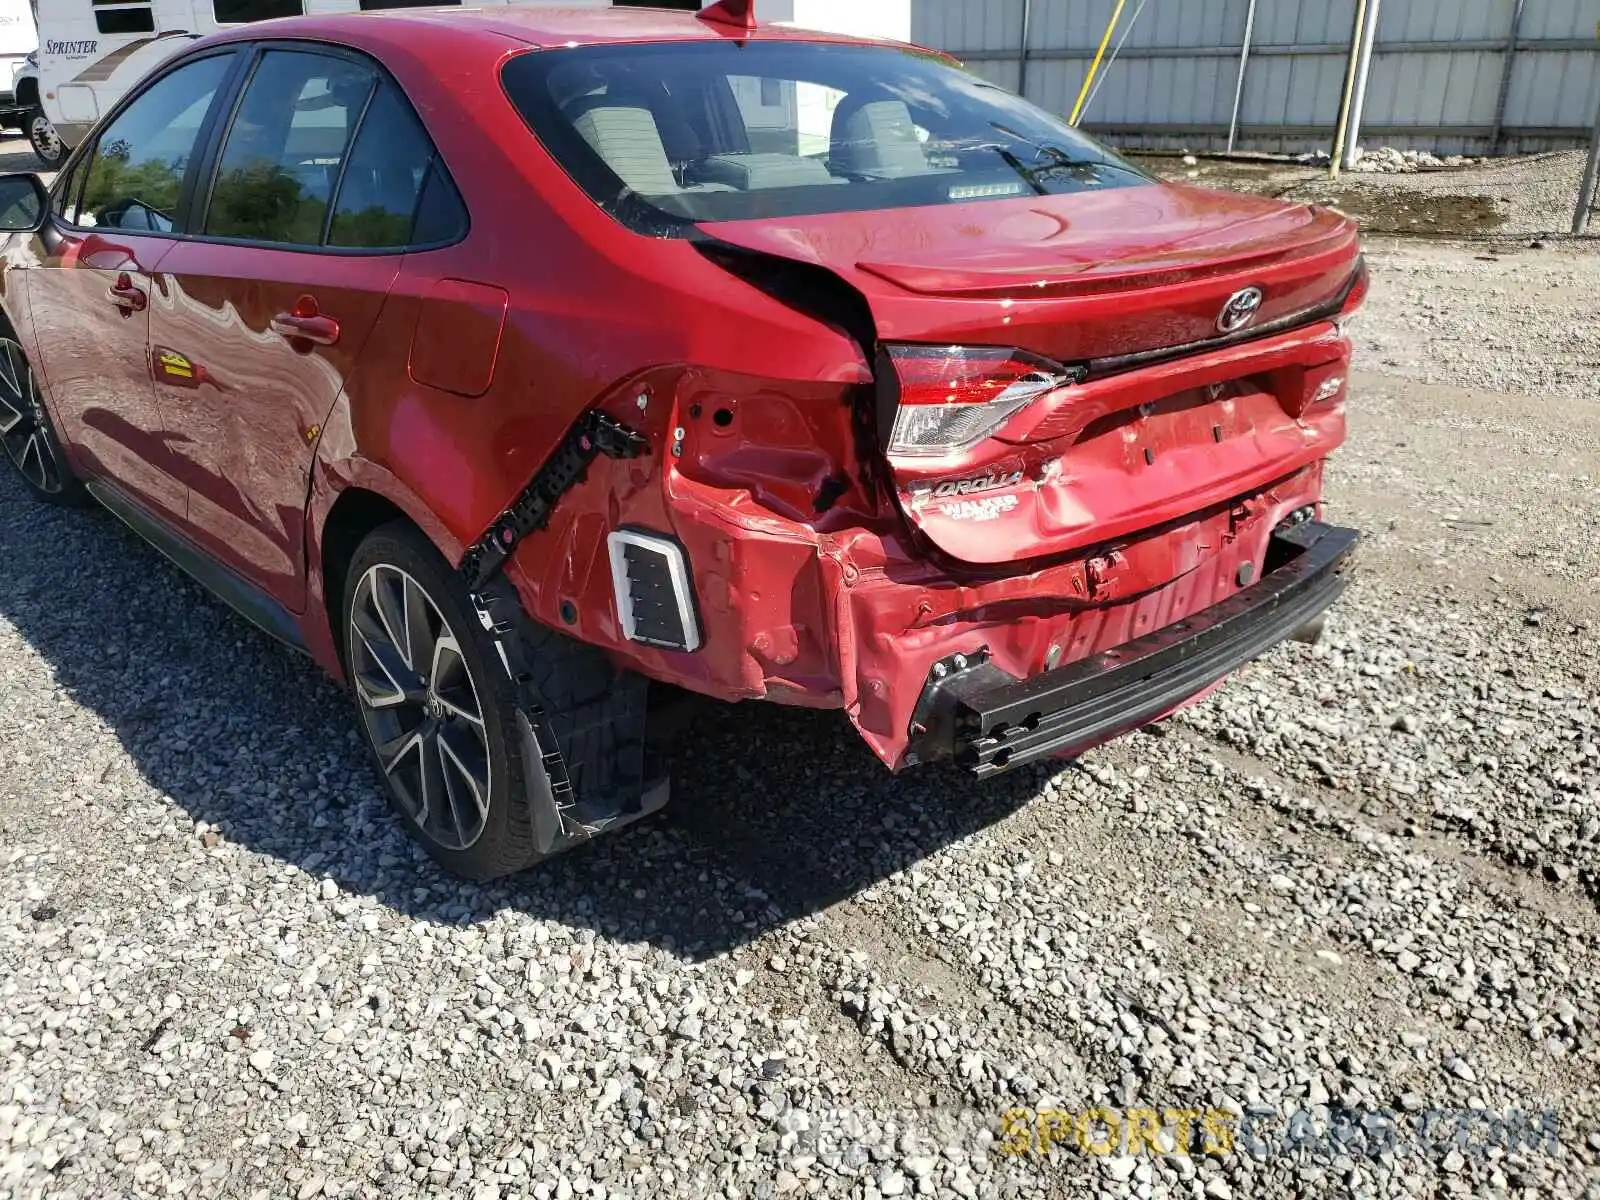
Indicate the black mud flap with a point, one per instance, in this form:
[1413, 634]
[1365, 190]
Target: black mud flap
[560, 820]
[580, 721]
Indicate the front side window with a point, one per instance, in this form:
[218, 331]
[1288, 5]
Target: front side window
[282, 156]
[242, 12]
[667, 134]
[135, 175]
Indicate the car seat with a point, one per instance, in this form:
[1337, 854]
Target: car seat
[876, 138]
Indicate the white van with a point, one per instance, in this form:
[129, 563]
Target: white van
[18, 39]
[92, 51]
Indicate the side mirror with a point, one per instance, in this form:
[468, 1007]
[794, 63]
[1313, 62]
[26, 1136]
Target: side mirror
[23, 203]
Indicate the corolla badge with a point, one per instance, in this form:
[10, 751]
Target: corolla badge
[990, 482]
[1241, 309]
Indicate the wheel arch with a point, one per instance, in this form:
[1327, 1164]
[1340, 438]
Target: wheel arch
[12, 297]
[16, 324]
[355, 514]
[28, 91]
[349, 500]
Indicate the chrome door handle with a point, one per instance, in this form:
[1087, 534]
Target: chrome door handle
[127, 295]
[305, 323]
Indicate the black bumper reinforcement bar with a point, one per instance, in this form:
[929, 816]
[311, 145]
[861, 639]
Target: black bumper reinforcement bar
[989, 721]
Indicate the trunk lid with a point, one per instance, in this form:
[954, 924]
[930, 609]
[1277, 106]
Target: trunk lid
[1074, 277]
[1169, 409]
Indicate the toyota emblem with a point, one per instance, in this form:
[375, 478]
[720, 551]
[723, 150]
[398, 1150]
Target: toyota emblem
[1240, 310]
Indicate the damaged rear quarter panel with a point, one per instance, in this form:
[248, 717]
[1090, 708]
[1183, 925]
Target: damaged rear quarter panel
[808, 587]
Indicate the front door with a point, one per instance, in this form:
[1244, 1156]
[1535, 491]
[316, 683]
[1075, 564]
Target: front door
[263, 315]
[93, 290]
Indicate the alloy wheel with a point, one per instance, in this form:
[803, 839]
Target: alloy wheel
[46, 141]
[23, 431]
[421, 707]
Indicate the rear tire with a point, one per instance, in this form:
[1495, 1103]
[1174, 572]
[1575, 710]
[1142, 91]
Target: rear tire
[442, 732]
[27, 438]
[440, 713]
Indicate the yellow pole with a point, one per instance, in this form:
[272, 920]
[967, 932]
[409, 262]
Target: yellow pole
[1349, 88]
[1094, 67]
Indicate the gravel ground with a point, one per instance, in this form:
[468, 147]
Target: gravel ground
[1533, 195]
[1362, 876]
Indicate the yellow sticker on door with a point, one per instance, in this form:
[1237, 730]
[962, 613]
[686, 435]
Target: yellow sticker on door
[174, 365]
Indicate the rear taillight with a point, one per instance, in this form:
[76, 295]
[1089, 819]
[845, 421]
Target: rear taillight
[1355, 296]
[952, 397]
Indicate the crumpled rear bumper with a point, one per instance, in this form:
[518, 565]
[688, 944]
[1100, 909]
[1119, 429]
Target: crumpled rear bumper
[983, 718]
[856, 618]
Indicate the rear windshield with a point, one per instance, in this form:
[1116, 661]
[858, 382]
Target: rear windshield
[666, 135]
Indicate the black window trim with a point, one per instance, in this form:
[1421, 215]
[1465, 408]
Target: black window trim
[67, 183]
[212, 161]
[208, 150]
[81, 159]
[344, 163]
[213, 156]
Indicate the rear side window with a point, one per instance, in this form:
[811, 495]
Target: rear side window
[325, 151]
[385, 180]
[135, 175]
[282, 156]
[663, 135]
[441, 217]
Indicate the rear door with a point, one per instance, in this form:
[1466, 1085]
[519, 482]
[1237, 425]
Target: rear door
[261, 317]
[112, 223]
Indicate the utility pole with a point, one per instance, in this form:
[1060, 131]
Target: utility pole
[1349, 87]
[1022, 51]
[1580, 219]
[1238, 87]
[1369, 37]
[1505, 77]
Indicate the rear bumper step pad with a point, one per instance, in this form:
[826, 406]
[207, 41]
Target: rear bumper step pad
[988, 721]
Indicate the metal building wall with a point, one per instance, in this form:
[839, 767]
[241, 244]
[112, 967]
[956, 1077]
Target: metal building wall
[1437, 78]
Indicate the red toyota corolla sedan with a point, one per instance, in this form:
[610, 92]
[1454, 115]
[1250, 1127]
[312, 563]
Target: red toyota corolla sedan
[511, 361]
